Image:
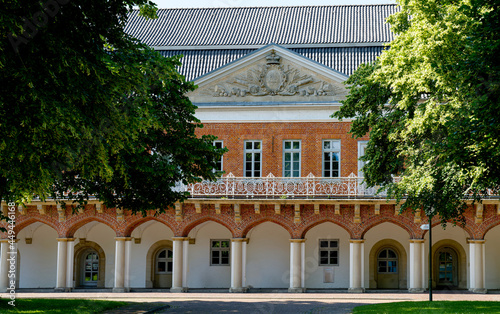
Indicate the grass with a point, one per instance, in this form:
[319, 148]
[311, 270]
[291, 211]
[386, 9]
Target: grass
[455, 307]
[59, 306]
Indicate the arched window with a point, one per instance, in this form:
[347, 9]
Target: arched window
[164, 261]
[90, 268]
[387, 262]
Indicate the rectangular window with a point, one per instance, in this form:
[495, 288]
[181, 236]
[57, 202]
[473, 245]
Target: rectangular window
[219, 168]
[361, 153]
[328, 252]
[219, 252]
[291, 159]
[331, 158]
[253, 158]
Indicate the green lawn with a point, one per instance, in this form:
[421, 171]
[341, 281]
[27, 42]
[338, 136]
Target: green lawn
[455, 307]
[58, 306]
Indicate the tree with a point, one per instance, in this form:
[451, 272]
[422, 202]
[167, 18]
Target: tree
[86, 109]
[431, 106]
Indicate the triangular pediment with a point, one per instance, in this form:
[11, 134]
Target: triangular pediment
[270, 74]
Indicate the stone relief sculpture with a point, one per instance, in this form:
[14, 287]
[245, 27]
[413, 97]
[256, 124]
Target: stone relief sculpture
[274, 79]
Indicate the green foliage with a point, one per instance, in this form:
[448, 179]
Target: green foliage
[431, 105]
[64, 306]
[87, 109]
[441, 307]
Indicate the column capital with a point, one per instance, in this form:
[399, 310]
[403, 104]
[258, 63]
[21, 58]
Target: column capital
[298, 240]
[474, 241]
[123, 238]
[65, 239]
[240, 240]
[356, 240]
[180, 238]
[417, 240]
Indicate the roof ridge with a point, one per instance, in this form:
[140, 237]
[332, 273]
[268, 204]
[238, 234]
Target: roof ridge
[283, 6]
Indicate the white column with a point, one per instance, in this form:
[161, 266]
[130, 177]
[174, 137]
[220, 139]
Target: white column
[69, 264]
[356, 284]
[185, 263]
[126, 275]
[178, 265]
[477, 273]
[4, 265]
[296, 265]
[62, 258]
[417, 265]
[237, 265]
[119, 265]
[244, 263]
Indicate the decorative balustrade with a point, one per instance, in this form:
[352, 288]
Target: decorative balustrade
[280, 187]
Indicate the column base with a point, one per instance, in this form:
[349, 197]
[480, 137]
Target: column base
[178, 289]
[416, 290]
[238, 290]
[60, 289]
[4, 290]
[119, 290]
[68, 289]
[479, 290]
[296, 290]
[356, 290]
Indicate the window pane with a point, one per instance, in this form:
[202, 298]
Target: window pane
[323, 261]
[88, 267]
[288, 145]
[257, 145]
[169, 267]
[95, 266]
[323, 253]
[335, 156]
[296, 145]
[296, 156]
[215, 260]
[257, 173]
[162, 254]
[296, 174]
[248, 145]
[287, 157]
[225, 243]
[333, 261]
[287, 173]
[161, 267]
[323, 243]
[382, 267]
[333, 243]
[88, 277]
[257, 157]
[225, 261]
[295, 165]
[170, 254]
[94, 277]
[326, 145]
[392, 254]
[257, 166]
[215, 243]
[383, 254]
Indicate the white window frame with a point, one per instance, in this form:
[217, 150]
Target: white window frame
[328, 249]
[292, 151]
[220, 249]
[361, 153]
[253, 151]
[221, 157]
[331, 150]
[165, 259]
[387, 261]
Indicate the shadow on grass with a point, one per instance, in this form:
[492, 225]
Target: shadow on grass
[454, 307]
[56, 306]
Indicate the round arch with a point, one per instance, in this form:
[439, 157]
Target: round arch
[19, 227]
[395, 221]
[461, 262]
[319, 222]
[81, 248]
[150, 260]
[254, 224]
[131, 227]
[402, 261]
[70, 232]
[192, 225]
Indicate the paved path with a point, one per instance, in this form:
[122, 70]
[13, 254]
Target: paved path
[207, 302]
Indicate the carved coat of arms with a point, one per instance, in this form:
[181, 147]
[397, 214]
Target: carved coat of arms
[274, 79]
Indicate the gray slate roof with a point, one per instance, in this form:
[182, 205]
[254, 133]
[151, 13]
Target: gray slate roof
[264, 25]
[343, 59]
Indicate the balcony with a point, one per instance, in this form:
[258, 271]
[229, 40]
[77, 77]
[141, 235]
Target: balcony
[272, 187]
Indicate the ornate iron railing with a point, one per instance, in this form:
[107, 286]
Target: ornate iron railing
[280, 187]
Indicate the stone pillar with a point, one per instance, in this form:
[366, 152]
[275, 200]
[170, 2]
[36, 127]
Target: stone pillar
[296, 266]
[4, 265]
[128, 249]
[70, 264]
[477, 273]
[417, 266]
[237, 265]
[62, 259]
[244, 263]
[179, 265]
[119, 265]
[356, 272]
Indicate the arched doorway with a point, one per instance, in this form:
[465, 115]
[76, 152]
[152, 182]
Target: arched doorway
[163, 268]
[90, 268]
[387, 269]
[446, 268]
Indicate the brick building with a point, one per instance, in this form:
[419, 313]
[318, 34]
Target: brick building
[291, 210]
